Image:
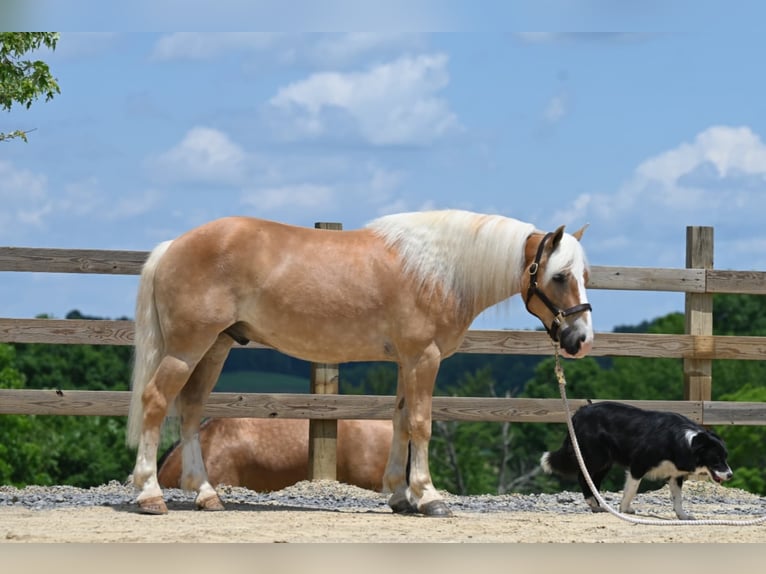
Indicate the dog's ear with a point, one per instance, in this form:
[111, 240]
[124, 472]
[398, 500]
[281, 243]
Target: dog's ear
[700, 441]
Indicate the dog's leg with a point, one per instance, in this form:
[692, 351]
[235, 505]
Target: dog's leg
[675, 485]
[629, 492]
[590, 499]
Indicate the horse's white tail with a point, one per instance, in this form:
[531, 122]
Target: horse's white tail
[149, 345]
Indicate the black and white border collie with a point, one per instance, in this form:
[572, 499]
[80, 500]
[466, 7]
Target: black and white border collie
[649, 444]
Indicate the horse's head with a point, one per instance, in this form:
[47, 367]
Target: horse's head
[554, 289]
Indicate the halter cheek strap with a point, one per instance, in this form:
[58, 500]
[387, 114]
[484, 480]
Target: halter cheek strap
[558, 314]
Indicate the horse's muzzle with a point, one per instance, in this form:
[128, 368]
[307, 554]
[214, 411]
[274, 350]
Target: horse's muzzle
[574, 342]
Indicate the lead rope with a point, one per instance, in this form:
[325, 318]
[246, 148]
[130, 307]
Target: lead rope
[628, 518]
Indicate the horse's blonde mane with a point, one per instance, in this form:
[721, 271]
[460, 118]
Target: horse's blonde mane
[479, 258]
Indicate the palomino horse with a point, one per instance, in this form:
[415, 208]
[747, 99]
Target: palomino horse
[271, 454]
[405, 289]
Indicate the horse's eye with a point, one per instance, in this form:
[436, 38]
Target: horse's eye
[560, 278]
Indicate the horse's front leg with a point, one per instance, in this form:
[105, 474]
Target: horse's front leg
[395, 475]
[418, 382]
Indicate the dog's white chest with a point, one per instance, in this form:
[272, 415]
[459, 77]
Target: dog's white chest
[665, 470]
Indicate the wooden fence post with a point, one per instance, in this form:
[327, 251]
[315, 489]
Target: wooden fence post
[323, 434]
[698, 379]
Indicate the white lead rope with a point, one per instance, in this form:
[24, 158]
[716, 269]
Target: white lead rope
[597, 494]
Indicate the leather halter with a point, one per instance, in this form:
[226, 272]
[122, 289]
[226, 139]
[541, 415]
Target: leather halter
[558, 314]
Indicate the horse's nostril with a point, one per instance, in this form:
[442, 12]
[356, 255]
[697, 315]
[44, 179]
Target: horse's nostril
[582, 338]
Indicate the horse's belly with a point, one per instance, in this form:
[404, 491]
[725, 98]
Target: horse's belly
[328, 343]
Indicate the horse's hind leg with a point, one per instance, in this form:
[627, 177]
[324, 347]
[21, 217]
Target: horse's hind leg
[170, 376]
[190, 404]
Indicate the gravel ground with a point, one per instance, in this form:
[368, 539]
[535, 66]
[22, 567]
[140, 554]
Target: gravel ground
[331, 495]
[328, 511]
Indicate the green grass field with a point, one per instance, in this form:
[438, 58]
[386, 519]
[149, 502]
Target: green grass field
[260, 382]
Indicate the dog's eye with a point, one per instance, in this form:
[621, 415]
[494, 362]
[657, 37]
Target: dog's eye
[560, 278]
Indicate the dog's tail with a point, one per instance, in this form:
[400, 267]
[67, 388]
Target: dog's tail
[562, 461]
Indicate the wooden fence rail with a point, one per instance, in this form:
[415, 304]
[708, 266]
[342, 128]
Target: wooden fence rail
[335, 407]
[657, 346]
[698, 347]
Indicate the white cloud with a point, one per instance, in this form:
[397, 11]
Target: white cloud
[583, 37]
[24, 196]
[300, 196]
[321, 50]
[207, 45]
[390, 104]
[134, 205]
[72, 45]
[717, 179]
[725, 148]
[724, 168]
[204, 155]
[20, 184]
[28, 202]
[342, 49]
[556, 109]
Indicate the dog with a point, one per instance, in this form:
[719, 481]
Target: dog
[649, 444]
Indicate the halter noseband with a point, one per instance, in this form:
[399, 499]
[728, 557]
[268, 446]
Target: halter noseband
[558, 314]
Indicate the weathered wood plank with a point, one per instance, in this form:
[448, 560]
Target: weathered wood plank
[67, 331]
[698, 315]
[646, 279]
[121, 262]
[125, 262]
[323, 434]
[605, 344]
[741, 282]
[329, 407]
[108, 332]
[733, 413]
[53, 402]
[54, 260]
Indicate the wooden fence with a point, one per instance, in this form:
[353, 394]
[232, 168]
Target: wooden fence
[698, 347]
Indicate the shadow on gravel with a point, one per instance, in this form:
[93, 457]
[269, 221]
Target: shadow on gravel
[246, 507]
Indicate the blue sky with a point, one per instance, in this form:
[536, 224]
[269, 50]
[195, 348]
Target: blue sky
[638, 134]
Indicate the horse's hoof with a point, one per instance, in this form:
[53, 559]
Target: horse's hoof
[403, 507]
[436, 508]
[211, 503]
[154, 505]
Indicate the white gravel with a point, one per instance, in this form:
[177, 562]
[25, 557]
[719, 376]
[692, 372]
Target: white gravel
[699, 498]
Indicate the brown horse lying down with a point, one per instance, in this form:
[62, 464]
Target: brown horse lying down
[271, 454]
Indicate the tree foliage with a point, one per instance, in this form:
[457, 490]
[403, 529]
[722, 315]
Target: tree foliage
[466, 457]
[81, 451]
[24, 80]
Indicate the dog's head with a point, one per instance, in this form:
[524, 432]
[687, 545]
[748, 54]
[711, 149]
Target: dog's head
[710, 456]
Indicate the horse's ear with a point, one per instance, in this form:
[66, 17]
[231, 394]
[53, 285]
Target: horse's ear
[578, 234]
[557, 235]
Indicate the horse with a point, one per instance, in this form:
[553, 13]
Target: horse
[405, 288]
[271, 454]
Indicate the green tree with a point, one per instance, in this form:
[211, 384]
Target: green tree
[747, 457]
[77, 450]
[22, 80]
